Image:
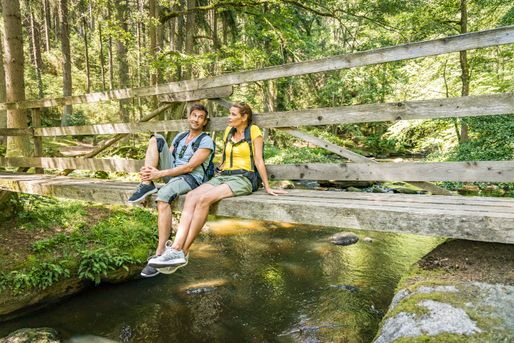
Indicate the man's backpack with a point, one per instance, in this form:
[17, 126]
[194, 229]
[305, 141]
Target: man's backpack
[208, 172]
[254, 176]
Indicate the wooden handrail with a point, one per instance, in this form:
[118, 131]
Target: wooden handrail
[475, 171]
[467, 41]
[478, 105]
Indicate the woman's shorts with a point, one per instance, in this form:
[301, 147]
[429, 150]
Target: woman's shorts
[239, 184]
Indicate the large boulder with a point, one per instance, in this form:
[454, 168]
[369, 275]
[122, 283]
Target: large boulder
[33, 335]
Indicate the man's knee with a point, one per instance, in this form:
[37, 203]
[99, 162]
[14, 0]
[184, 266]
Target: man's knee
[163, 206]
[157, 140]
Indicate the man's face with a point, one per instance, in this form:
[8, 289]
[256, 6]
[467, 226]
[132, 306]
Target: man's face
[197, 119]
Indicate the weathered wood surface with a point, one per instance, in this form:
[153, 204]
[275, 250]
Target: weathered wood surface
[473, 40]
[209, 93]
[16, 132]
[486, 171]
[472, 218]
[479, 105]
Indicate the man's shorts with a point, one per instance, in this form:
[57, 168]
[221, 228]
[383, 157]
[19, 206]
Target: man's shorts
[174, 186]
[239, 184]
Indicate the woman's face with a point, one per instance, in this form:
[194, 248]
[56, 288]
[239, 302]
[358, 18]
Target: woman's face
[235, 118]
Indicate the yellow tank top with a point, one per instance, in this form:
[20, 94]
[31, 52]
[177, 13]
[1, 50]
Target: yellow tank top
[240, 150]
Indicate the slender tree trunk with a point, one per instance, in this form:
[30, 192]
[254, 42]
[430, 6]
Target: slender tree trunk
[66, 55]
[102, 57]
[464, 67]
[46, 15]
[190, 32]
[111, 67]
[14, 81]
[152, 33]
[122, 9]
[86, 51]
[3, 113]
[36, 50]
[180, 36]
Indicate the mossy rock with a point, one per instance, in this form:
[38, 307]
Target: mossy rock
[32, 335]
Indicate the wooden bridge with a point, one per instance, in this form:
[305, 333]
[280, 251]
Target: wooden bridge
[440, 214]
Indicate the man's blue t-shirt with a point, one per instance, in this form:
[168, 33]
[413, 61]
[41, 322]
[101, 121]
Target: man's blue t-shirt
[183, 155]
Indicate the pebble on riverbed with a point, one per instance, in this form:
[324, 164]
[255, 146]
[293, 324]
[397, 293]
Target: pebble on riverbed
[344, 238]
[40, 335]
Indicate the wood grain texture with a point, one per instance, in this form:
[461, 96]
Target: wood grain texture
[472, 218]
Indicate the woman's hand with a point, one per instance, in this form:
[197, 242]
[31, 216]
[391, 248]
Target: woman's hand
[149, 173]
[275, 192]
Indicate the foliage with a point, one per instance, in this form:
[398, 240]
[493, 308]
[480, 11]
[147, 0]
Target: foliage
[97, 241]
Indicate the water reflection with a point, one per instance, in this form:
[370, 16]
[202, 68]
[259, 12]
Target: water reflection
[252, 282]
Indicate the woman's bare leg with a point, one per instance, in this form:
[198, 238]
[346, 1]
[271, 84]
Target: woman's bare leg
[188, 212]
[200, 214]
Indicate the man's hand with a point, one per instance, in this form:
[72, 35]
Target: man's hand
[149, 173]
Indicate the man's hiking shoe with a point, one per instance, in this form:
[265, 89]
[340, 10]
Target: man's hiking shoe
[173, 269]
[169, 258]
[142, 191]
[149, 271]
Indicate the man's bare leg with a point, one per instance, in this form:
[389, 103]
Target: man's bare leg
[151, 156]
[164, 225]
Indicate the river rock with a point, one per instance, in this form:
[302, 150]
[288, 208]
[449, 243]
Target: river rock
[344, 238]
[368, 239]
[469, 190]
[32, 335]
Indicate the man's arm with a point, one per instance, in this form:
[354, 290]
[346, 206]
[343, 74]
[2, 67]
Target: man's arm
[199, 157]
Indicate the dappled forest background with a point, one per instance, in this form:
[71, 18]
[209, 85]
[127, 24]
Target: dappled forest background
[82, 46]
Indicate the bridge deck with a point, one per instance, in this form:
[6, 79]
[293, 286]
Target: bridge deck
[473, 218]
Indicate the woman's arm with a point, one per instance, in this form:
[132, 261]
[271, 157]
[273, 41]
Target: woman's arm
[258, 144]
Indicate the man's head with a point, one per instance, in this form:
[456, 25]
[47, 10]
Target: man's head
[198, 117]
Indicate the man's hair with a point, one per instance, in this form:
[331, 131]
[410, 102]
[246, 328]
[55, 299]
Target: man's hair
[199, 107]
[244, 108]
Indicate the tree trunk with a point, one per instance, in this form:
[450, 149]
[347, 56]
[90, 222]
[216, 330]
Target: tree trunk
[86, 51]
[111, 69]
[152, 33]
[122, 10]
[14, 81]
[66, 55]
[464, 67]
[190, 32]
[46, 15]
[3, 113]
[102, 57]
[36, 51]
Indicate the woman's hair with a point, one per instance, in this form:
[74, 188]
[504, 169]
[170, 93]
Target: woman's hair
[244, 108]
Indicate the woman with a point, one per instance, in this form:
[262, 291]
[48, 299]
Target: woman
[237, 178]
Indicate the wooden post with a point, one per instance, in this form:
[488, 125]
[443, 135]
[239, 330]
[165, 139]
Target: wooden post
[38, 141]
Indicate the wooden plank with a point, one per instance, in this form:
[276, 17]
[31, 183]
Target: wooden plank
[38, 141]
[488, 171]
[16, 132]
[209, 93]
[480, 105]
[475, 171]
[357, 158]
[467, 41]
[470, 221]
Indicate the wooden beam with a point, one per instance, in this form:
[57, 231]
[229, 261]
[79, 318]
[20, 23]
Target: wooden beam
[434, 189]
[472, 218]
[467, 41]
[209, 93]
[479, 105]
[475, 171]
[38, 141]
[16, 132]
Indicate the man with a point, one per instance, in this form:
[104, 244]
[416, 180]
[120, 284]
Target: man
[182, 166]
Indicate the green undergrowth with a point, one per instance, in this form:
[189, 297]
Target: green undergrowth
[72, 239]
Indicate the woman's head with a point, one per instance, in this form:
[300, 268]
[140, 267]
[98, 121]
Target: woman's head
[240, 114]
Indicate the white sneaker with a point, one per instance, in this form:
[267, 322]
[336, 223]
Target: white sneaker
[173, 269]
[170, 257]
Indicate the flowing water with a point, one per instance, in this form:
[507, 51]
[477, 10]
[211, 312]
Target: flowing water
[247, 282]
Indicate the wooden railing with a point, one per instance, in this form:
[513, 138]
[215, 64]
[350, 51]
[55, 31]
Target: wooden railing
[218, 87]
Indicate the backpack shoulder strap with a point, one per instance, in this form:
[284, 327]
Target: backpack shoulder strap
[228, 137]
[248, 139]
[198, 141]
[177, 141]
